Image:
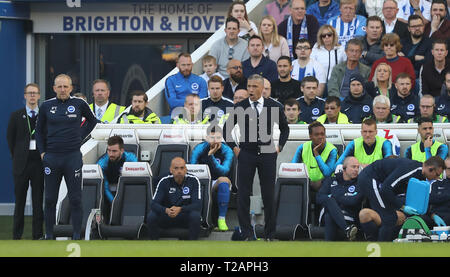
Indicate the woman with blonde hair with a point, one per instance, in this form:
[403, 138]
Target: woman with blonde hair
[274, 44]
[238, 10]
[381, 83]
[327, 50]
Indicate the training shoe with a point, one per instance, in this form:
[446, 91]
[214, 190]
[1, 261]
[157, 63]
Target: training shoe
[350, 232]
[222, 225]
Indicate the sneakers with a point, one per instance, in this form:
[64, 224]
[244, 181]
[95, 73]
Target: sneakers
[222, 225]
[350, 232]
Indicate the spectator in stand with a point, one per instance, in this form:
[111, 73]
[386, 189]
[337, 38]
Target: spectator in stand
[439, 27]
[279, 9]
[275, 45]
[215, 106]
[236, 80]
[285, 87]
[372, 40]
[333, 113]
[432, 73]
[298, 25]
[391, 22]
[292, 111]
[257, 63]
[381, 83]
[247, 28]
[323, 10]
[374, 8]
[404, 102]
[427, 109]
[339, 82]
[311, 106]
[231, 47]
[348, 25]
[381, 107]
[443, 102]
[327, 50]
[416, 47]
[358, 105]
[209, 68]
[421, 8]
[304, 65]
[239, 95]
[390, 43]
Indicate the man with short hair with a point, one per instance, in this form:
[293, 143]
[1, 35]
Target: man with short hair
[358, 105]
[139, 112]
[372, 41]
[191, 112]
[427, 109]
[432, 73]
[339, 82]
[369, 147]
[439, 26]
[427, 146]
[443, 101]
[292, 111]
[381, 107]
[404, 102]
[236, 79]
[215, 106]
[311, 105]
[183, 83]
[333, 113]
[285, 87]
[104, 110]
[391, 23]
[231, 47]
[258, 63]
[240, 95]
[323, 10]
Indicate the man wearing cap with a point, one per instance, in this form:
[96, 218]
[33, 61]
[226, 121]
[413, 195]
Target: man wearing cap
[358, 104]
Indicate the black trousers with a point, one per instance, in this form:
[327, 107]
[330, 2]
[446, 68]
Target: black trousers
[266, 164]
[32, 174]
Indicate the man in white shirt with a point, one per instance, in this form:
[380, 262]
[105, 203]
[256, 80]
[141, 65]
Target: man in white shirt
[409, 7]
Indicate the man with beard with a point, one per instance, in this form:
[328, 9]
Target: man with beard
[285, 87]
[236, 80]
[139, 113]
[111, 164]
[404, 102]
[439, 27]
[184, 82]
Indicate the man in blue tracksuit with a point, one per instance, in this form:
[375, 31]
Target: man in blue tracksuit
[341, 198]
[384, 180]
[176, 203]
[219, 158]
[58, 138]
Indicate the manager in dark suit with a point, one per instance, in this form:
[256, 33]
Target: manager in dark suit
[256, 117]
[27, 164]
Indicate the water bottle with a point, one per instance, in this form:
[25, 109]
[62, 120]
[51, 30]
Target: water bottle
[253, 221]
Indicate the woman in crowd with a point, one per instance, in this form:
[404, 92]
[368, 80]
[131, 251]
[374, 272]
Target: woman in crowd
[274, 44]
[381, 83]
[239, 11]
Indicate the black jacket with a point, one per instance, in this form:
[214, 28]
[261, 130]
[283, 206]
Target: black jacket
[423, 48]
[356, 109]
[400, 28]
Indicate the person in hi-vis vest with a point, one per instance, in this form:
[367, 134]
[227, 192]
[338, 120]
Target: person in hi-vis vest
[104, 110]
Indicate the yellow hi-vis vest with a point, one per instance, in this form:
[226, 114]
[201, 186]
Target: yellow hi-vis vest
[112, 111]
[180, 120]
[420, 156]
[342, 119]
[360, 152]
[309, 160]
[152, 118]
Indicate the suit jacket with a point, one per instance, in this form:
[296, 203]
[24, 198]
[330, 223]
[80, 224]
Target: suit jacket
[400, 28]
[18, 136]
[243, 112]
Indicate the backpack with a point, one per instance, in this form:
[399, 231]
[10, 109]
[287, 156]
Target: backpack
[414, 225]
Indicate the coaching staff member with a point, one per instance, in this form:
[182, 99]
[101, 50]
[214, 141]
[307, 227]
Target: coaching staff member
[256, 117]
[27, 164]
[58, 138]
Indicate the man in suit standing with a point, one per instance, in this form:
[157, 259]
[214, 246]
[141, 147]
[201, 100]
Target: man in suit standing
[391, 23]
[27, 164]
[256, 150]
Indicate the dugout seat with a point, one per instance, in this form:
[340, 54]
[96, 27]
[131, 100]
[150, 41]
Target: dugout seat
[131, 204]
[335, 137]
[92, 188]
[201, 171]
[130, 140]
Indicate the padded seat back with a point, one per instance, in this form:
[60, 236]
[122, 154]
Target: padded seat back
[130, 140]
[201, 171]
[335, 137]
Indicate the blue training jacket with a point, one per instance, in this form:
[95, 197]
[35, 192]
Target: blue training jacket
[178, 86]
[333, 10]
[326, 167]
[219, 164]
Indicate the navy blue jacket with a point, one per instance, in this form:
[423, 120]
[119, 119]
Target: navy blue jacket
[215, 110]
[423, 48]
[169, 193]
[312, 112]
[219, 164]
[405, 107]
[228, 90]
[266, 68]
[356, 109]
[440, 197]
[58, 128]
[443, 105]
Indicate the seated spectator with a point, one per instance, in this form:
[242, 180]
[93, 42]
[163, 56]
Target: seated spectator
[427, 108]
[111, 164]
[279, 9]
[391, 22]
[247, 28]
[416, 46]
[292, 111]
[311, 106]
[432, 73]
[443, 101]
[304, 65]
[333, 113]
[339, 82]
[215, 106]
[318, 155]
[183, 83]
[381, 107]
[381, 83]
[236, 79]
[298, 25]
[341, 197]
[209, 68]
[358, 105]
[427, 146]
[240, 95]
[371, 41]
[404, 103]
[374, 8]
[104, 110]
[323, 10]
[275, 45]
[219, 158]
[419, 7]
[369, 147]
[231, 47]
[327, 50]
[139, 112]
[176, 203]
[257, 63]
[439, 25]
[285, 87]
[390, 43]
[191, 113]
[348, 24]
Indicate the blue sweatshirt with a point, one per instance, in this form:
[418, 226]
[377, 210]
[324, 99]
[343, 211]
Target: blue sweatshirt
[326, 167]
[178, 86]
[219, 164]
